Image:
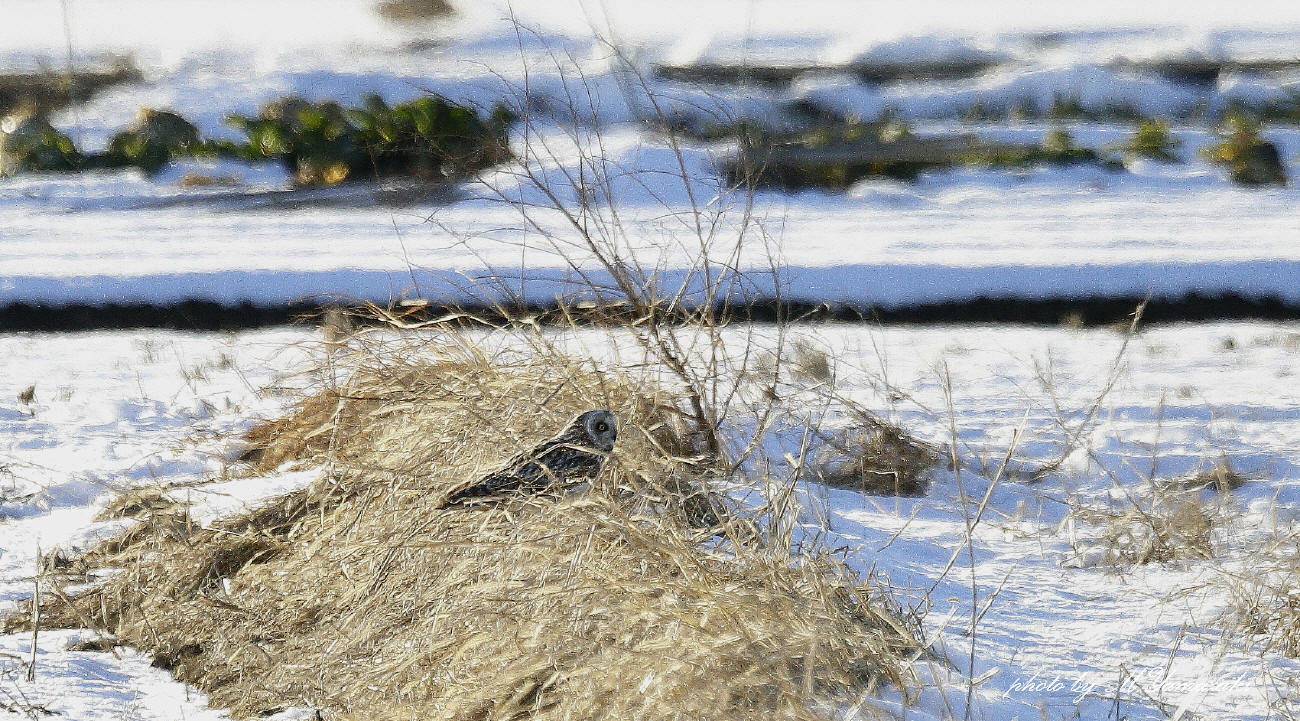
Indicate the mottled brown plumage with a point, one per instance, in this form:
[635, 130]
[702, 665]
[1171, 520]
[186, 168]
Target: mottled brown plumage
[575, 455]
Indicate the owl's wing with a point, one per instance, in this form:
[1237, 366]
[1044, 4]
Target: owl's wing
[521, 471]
[567, 461]
[491, 485]
[552, 463]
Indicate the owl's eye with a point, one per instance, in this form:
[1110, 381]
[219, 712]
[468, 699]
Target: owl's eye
[601, 426]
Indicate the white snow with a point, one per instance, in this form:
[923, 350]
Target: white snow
[93, 685]
[1062, 635]
[1094, 88]
[115, 410]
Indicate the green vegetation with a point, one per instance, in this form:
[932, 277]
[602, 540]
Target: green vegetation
[836, 157]
[33, 145]
[1250, 160]
[1056, 148]
[429, 137]
[314, 140]
[157, 137]
[322, 143]
[1152, 140]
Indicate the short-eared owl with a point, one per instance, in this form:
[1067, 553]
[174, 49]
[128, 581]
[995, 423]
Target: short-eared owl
[573, 456]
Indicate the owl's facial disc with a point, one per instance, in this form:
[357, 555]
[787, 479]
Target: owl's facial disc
[601, 428]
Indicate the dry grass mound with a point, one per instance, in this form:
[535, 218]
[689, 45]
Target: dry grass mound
[136, 502]
[360, 596]
[1166, 525]
[1270, 611]
[874, 457]
[1219, 476]
[1264, 597]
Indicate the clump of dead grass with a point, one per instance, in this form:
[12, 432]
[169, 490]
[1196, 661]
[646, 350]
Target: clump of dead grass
[1161, 525]
[1270, 612]
[405, 413]
[811, 363]
[136, 502]
[875, 457]
[1263, 591]
[360, 596]
[1219, 476]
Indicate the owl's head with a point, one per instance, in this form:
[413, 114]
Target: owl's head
[601, 428]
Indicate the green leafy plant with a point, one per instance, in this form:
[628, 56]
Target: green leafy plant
[1058, 147]
[1250, 159]
[157, 136]
[315, 140]
[1153, 140]
[35, 145]
[429, 138]
[322, 143]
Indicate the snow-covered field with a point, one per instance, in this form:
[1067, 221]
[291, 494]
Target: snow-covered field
[1061, 633]
[1165, 229]
[111, 411]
